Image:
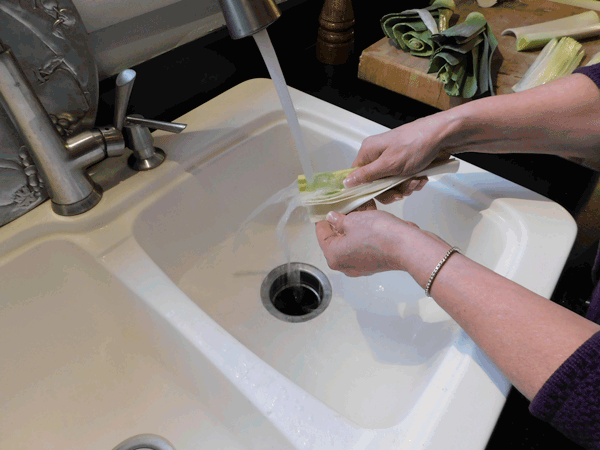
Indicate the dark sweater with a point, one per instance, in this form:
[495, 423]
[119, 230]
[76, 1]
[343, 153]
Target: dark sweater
[570, 399]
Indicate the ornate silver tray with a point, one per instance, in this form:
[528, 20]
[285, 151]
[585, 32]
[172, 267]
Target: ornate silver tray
[50, 41]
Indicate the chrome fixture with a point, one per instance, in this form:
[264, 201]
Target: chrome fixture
[137, 135]
[149, 441]
[62, 163]
[247, 17]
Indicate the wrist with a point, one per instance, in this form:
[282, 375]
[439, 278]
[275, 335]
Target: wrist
[420, 252]
[451, 128]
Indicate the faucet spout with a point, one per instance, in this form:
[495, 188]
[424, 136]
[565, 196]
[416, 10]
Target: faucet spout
[247, 17]
[62, 164]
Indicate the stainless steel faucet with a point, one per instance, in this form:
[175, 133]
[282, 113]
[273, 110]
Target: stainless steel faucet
[247, 17]
[62, 163]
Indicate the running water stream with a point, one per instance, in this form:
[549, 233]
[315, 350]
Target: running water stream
[267, 51]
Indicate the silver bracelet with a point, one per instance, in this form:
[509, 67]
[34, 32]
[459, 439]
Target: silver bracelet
[438, 267]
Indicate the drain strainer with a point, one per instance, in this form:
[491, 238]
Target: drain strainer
[296, 293]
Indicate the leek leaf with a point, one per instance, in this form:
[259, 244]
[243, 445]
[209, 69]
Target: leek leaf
[411, 30]
[328, 182]
[467, 49]
[558, 58]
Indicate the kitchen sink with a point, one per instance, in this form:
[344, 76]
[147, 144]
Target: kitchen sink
[146, 314]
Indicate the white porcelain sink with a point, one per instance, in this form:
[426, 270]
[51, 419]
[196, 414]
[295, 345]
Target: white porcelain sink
[175, 297]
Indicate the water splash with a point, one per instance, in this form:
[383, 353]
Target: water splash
[290, 196]
[280, 233]
[285, 195]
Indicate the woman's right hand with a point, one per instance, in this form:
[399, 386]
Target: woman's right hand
[405, 150]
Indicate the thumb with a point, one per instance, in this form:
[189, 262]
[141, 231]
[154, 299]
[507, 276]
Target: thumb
[336, 220]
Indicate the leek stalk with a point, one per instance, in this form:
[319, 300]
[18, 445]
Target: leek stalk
[538, 40]
[558, 58]
[594, 59]
[330, 182]
[529, 37]
[586, 4]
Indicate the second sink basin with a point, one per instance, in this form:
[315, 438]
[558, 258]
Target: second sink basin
[86, 364]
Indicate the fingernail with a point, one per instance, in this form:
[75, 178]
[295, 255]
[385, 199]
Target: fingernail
[349, 181]
[331, 218]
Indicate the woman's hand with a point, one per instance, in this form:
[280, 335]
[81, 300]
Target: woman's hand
[360, 243]
[370, 241]
[405, 150]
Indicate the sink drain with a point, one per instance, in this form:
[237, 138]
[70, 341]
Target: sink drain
[297, 296]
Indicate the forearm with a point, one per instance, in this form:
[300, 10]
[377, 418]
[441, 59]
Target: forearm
[527, 336]
[560, 118]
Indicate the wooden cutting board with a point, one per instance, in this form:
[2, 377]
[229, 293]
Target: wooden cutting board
[385, 65]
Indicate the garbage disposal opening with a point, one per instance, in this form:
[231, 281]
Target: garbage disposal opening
[296, 292]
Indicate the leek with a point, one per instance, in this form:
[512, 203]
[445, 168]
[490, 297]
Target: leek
[536, 36]
[411, 30]
[486, 3]
[594, 59]
[320, 202]
[463, 60]
[329, 182]
[558, 58]
[586, 4]
[538, 40]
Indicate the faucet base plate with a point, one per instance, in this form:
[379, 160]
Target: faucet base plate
[81, 206]
[148, 163]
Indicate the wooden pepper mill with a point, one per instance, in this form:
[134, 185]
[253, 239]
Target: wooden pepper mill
[335, 38]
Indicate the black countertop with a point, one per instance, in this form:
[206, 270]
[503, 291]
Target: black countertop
[176, 82]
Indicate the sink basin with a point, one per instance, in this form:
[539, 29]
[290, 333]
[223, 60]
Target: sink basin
[86, 365]
[371, 353]
[381, 349]
[146, 313]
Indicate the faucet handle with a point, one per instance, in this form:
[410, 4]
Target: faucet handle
[124, 83]
[145, 155]
[171, 127]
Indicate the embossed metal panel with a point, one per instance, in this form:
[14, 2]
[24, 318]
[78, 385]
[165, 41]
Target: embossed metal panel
[50, 42]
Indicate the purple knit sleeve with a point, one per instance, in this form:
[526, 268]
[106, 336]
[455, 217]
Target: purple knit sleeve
[570, 399]
[592, 72]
